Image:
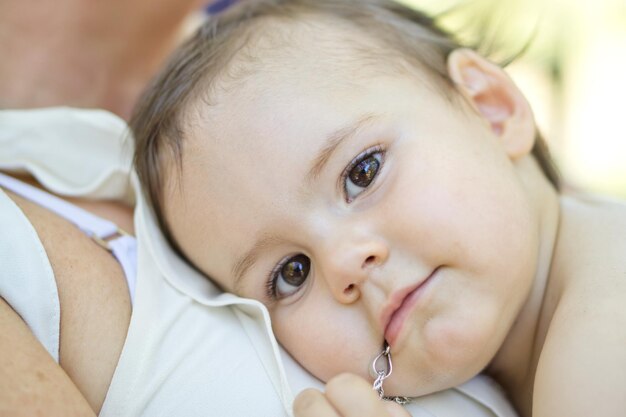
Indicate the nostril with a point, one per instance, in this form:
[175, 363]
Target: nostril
[370, 260]
[348, 290]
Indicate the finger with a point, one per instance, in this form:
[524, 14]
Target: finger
[352, 396]
[395, 410]
[312, 403]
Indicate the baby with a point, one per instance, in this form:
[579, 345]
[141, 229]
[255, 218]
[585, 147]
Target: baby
[349, 165]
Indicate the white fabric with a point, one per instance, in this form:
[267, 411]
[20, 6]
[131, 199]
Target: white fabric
[191, 350]
[124, 248]
[73, 153]
[86, 221]
[26, 278]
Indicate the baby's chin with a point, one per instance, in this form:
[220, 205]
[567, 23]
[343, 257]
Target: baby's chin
[405, 390]
[401, 384]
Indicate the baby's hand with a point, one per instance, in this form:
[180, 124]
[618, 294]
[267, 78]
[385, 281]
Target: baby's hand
[346, 395]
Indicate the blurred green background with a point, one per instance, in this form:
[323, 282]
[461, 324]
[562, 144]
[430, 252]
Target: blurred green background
[573, 72]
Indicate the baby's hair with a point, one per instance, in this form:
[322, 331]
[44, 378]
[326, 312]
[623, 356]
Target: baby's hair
[412, 39]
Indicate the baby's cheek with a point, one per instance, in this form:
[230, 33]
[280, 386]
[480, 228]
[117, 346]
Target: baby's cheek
[326, 346]
[460, 343]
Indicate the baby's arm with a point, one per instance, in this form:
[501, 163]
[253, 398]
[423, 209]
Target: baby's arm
[31, 383]
[346, 396]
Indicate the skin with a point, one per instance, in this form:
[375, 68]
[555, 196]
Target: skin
[98, 54]
[346, 395]
[94, 55]
[447, 197]
[458, 198]
[95, 313]
[53, 63]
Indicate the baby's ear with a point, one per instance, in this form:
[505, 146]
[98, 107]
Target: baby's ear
[494, 96]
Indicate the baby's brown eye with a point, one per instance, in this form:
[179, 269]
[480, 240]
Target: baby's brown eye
[291, 276]
[295, 271]
[364, 172]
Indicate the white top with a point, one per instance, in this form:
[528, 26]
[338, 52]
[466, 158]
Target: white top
[190, 350]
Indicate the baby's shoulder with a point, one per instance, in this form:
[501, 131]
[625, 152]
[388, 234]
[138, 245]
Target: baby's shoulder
[591, 243]
[586, 332]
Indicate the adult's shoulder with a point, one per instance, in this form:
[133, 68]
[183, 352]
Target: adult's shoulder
[93, 300]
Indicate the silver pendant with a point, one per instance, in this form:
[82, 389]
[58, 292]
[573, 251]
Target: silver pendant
[381, 370]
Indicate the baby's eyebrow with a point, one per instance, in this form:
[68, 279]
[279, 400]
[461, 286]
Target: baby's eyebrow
[333, 141]
[247, 260]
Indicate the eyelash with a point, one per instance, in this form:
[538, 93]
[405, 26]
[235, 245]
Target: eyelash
[270, 283]
[360, 157]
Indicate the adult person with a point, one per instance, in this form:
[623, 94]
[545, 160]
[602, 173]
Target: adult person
[76, 346]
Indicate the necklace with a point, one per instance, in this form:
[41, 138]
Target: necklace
[381, 369]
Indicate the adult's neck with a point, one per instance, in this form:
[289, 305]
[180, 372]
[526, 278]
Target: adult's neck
[85, 53]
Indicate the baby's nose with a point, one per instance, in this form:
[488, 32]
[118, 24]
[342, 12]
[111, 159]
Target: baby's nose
[349, 264]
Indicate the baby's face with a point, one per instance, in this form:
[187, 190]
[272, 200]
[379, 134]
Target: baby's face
[358, 206]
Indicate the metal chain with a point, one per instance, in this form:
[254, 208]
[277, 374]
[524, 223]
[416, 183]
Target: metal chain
[382, 373]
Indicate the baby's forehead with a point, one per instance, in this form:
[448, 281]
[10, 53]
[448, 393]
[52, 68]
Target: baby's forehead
[305, 67]
[308, 48]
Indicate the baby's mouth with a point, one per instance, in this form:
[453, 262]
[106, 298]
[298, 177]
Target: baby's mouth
[400, 305]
